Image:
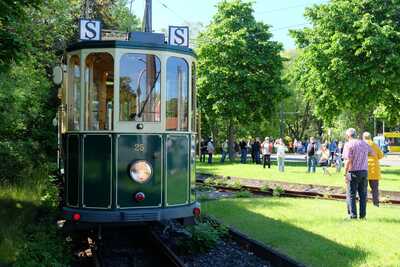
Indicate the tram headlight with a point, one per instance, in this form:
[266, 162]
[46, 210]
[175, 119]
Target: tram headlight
[140, 171]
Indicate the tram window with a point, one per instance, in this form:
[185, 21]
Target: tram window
[139, 92]
[74, 93]
[99, 83]
[177, 94]
[194, 98]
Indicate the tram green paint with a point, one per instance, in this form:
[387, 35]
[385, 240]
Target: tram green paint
[177, 169]
[73, 169]
[193, 168]
[129, 152]
[97, 175]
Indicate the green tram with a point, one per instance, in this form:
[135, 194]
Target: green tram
[127, 132]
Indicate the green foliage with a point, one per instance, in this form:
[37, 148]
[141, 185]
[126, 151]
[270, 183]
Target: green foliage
[35, 36]
[44, 243]
[351, 58]
[265, 188]
[243, 194]
[122, 19]
[277, 191]
[12, 42]
[209, 182]
[28, 233]
[221, 182]
[203, 237]
[239, 70]
[236, 184]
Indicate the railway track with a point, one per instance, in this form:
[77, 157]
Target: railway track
[290, 192]
[125, 247]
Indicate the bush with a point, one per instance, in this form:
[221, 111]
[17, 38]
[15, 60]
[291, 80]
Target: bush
[203, 238]
[265, 188]
[277, 191]
[236, 185]
[44, 243]
[243, 194]
[220, 182]
[208, 182]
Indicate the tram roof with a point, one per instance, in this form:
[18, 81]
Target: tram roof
[129, 44]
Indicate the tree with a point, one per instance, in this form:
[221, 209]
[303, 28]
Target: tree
[12, 14]
[239, 68]
[351, 58]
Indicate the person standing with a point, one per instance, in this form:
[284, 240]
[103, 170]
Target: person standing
[243, 151]
[210, 150]
[355, 154]
[251, 151]
[324, 159]
[311, 153]
[203, 150]
[374, 170]
[338, 157]
[332, 151]
[281, 149]
[256, 150]
[224, 150]
[266, 147]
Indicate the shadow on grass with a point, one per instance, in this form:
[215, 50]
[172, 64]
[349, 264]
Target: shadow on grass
[15, 216]
[395, 172]
[307, 247]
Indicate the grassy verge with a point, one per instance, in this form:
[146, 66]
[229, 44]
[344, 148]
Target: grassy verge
[295, 172]
[28, 233]
[314, 231]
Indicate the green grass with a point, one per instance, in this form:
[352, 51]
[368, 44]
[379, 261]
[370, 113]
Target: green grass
[314, 231]
[28, 231]
[18, 207]
[295, 172]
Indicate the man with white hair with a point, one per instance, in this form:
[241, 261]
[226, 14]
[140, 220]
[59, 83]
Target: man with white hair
[356, 153]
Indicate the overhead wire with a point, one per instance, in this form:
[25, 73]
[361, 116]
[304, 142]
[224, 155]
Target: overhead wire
[286, 8]
[294, 26]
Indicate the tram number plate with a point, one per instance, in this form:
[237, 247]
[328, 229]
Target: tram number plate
[138, 147]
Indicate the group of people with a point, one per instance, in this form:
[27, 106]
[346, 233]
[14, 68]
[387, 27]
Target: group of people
[360, 157]
[324, 155]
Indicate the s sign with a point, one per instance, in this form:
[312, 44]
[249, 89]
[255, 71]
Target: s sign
[89, 30]
[178, 35]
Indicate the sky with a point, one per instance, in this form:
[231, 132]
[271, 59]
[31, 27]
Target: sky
[281, 15]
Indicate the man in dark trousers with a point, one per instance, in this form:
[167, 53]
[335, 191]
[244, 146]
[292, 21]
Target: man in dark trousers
[355, 154]
[243, 151]
[312, 149]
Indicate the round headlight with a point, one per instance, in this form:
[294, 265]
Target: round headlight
[140, 171]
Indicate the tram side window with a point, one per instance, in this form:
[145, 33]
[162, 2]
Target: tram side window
[139, 92]
[194, 97]
[74, 93]
[177, 105]
[99, 85]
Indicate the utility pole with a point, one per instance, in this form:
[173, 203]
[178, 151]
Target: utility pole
[147, 18]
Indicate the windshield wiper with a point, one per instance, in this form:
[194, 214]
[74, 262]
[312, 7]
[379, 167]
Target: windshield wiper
[148, 95]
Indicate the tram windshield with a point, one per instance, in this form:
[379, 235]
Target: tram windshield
[139, 92]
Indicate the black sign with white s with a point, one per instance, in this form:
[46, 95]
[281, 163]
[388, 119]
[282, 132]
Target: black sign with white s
[89, 30]
[178, 35]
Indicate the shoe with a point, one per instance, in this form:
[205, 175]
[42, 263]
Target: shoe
[363, 218]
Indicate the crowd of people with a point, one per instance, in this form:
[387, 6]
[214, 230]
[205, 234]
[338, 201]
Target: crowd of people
[359, 157]
[316, 153]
